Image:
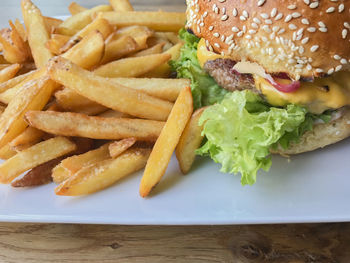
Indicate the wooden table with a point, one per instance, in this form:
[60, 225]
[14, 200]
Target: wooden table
[32, 243]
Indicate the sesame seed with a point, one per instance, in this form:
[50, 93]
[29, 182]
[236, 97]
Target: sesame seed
[344, 33]
[296, 15]
[266, 28]
[240, 33]
[309, 67]
[347, 25]
[264, 15]
[288, 18]
[319, 70]
[251, 31]
[330, 10]
[343, 61]
[245, 13]
[291, 7]
[341, 8]
[268, 21]
[279, 16]
[323, 29]
[314, 5]
[321, 24]
[235, 29]
[273, 12]
[301, 50]
[330, 71]
[305, 40]
[261, 2]
[255, 25]
[216, 34]
[314, 48]
[243, 18]
[281, 31]
[292, 26]
[307, 2]
[256, 20]
[234, 12]
[224, 17]
[305, 21]
[217, 45]
[338, 68]
[211, 28]
[311, 29]
[337, 57]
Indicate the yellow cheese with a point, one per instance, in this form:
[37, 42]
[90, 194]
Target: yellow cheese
[311, 95]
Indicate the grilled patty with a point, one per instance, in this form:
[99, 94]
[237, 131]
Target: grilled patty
[222, 71]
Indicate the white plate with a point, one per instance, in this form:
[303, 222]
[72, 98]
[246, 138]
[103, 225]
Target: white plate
[312, 187]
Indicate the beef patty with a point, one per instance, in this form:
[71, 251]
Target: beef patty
[228, 78]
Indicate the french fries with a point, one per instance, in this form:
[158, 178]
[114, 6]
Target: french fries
[39, 175]
[103, 174]
[37, 33]
[74, 124]
[118, 147]
[118, 48]
[9, 72]
[190, 141]
[34, 156]
[26, 139]
[108, 89]
[111, 95]
[166, 89]
[132, 67]
[167, 142]
[121, 5]
[74, 8]
[160, 21]
[77, 22]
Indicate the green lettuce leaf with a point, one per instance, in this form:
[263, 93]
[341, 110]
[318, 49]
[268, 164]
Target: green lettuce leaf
[205, 91]
[241, 130]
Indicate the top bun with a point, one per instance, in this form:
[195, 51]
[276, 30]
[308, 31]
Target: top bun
[301, 38]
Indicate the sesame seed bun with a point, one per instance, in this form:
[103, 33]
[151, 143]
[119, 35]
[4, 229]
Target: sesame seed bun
[301, 38]
[321, 135]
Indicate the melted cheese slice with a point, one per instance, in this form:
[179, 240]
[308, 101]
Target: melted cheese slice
[312, 95]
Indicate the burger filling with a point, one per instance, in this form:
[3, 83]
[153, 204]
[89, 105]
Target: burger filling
[253, 112]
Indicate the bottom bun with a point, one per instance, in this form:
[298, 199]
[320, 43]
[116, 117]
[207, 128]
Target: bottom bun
[321, 135]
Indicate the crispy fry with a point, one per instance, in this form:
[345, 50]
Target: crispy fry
[103, 174]
[26, 139]
[74, 8]
[118, 147]
[56, 42]
[88, 52]
[37, 33]
[74, 124]
[163, 71]
[156, 49]
[190, 141]
[2, 58]
[132, 67]
[169, 36]
[9, 72]
[70, 100]
[73, 24]
[121, 5]
[74, 163]
[7, 152]
[32, 96]
[52, 23]
[166, 89]
[39, 175]
[139, 33]
[59, 174]
[15, 50]
[2, 108]
[14, 81]
[159, 21]
[119, 48]
[111, 95]
[167, 141]
[114, 114]
[21, 30]
[34, 156]
[98, 24]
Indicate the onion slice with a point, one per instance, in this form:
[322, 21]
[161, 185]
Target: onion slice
[286, 88]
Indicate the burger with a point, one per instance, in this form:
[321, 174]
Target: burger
[275, 74]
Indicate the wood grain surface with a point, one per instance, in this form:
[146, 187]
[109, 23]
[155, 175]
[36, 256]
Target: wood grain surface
[33, 243]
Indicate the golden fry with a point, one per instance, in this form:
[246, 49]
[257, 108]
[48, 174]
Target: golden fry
[156, 49]
[26, 139]
[74, 124]
[119, 48]
[166, 89]
[111, 95]
[77, 22]
[159, 21]
[34, 156]
[118, 147]
[9, 72]
[132, 67]
[190, 141]
[114, 114]
[56, 42]
[21, 30]
[39, 175]
[52, 23]
[14, 81]
[167, 141]
[7, 152]
[103, 174]
[74, 8]
[59, 174]
[121, 5]
[37, 33]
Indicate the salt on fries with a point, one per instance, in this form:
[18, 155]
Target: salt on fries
[84, 100]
